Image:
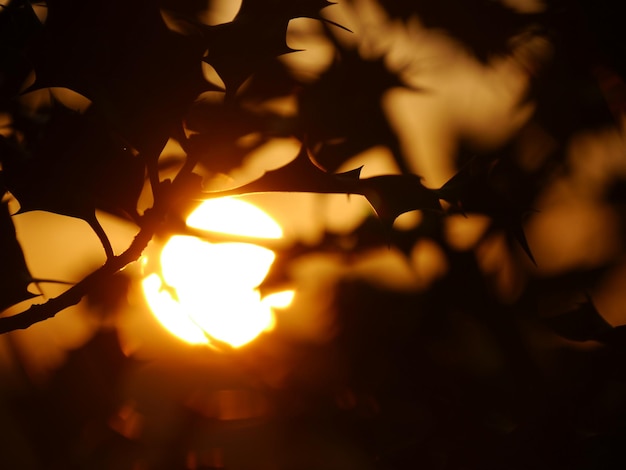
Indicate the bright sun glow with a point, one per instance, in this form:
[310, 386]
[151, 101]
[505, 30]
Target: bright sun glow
[209, 290]
[234, 216]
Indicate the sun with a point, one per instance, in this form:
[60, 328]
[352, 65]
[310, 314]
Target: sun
[208, 292]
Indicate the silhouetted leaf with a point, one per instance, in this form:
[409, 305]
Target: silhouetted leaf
[217, 130]
[272, 80]
[18, 25]
[393, 195]
[255, 36]
[139, 74]
[235, 55]
[341, 113]
[389, 195]
[300, 175]
[583, 323]
[73, 166]
[480, 187]
[14, 274]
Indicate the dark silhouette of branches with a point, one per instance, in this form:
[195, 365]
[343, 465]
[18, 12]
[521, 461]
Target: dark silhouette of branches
[460, 370]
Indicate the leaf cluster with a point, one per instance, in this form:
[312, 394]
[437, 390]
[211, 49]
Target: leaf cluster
[144, 83]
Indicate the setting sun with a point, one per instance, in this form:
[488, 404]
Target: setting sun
[208, 291]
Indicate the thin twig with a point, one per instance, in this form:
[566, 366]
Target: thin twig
[40, 312]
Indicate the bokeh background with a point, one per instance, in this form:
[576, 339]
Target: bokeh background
[435, 344]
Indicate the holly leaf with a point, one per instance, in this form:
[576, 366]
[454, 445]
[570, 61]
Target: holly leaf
[256, 35]
[238, 48]
[393, 195]
[486, 186]
[18, 25]
[389, 195]
[271, 80]
[14, 274]
[72, 165]
[140, 75]
[299, 175]
[217, 130]
[341, 113]
[583, 323]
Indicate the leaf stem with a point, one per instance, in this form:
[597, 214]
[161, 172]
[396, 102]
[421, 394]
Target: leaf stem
[102, 236]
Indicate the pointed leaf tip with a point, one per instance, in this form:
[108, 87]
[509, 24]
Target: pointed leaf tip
[350, 175]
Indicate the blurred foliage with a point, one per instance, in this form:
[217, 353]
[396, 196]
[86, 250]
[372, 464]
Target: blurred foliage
[487, 362]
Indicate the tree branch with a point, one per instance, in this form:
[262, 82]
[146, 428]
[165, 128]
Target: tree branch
[40, 312]
[172, 194]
